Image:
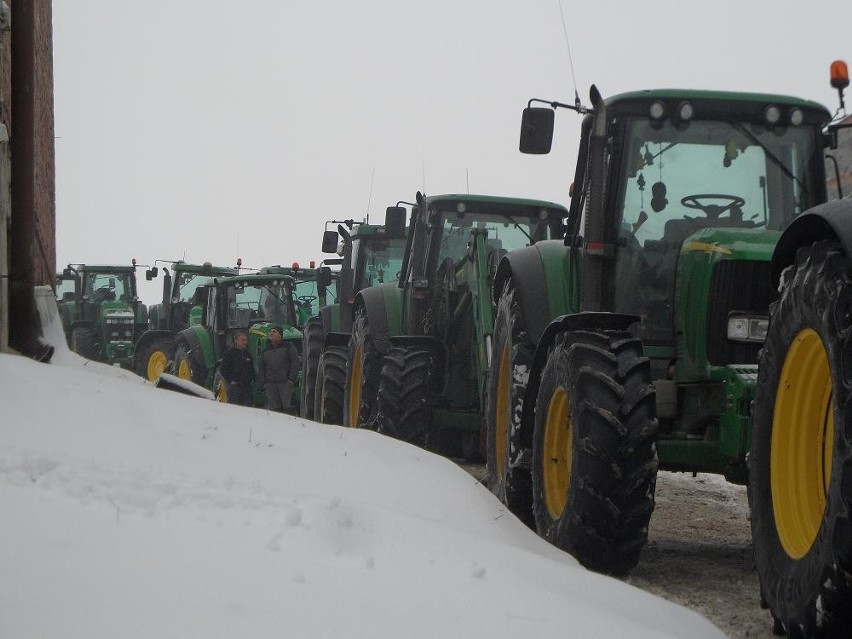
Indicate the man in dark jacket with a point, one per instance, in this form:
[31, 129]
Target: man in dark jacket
[279, 365]
[238, 370]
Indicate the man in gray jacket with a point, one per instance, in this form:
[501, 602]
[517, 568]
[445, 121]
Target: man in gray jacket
[279, 365]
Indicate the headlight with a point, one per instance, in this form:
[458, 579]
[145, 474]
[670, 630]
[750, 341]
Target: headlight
[747, 328]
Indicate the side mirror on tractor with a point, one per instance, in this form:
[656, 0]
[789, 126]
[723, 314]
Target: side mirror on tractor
[395, 222]
[151, 273]
[536, 130]
[329, 242]
[324, 278]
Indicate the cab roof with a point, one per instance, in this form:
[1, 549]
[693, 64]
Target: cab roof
[496, 204]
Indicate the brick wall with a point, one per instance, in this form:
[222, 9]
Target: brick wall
[28, 252]
[45, 156]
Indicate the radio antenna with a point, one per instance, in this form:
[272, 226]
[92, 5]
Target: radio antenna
[577, 102]
[370, 196]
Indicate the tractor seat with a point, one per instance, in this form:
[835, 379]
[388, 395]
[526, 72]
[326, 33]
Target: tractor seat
[676, 231]
[104, 295]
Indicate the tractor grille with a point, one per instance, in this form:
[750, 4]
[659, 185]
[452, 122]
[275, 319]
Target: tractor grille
[736, 286]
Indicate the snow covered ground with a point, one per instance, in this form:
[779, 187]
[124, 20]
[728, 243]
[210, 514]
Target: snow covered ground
[130, 511]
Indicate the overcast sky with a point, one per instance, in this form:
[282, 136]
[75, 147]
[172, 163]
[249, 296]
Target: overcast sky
[211, 130]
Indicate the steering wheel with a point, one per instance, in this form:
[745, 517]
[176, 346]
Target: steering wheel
[306, 300]
[712, 211]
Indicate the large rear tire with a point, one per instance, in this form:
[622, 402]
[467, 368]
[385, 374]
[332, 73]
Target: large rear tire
[594, 452]
[84, 342]
[403, 412]
[311, 349]
[220, 388]
[186, 367]
[800, 460]
[362, 375]
[154, 358]
[330, 386]
[507, 466]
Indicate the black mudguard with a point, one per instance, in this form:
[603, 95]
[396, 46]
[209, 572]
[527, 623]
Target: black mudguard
[525, 268]
[372, 299]
[824, 222]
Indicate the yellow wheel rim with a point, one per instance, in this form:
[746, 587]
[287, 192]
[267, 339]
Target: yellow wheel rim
[556, 453]
[501, 417]
[183, 370]
[802, 444]
[222, 392]
[157, 364]
[355, 388]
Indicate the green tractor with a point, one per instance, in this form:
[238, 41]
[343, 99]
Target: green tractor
[370, 254]
[250, 303]
[419, 351]
[632, 344]
[800, 459]
[104, 317]
[155, 349]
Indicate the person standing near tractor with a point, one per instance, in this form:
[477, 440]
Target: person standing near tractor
[279, 365]
[238, 370]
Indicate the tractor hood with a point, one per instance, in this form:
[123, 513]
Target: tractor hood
[722, 274]
[732, 243]
[114, 313]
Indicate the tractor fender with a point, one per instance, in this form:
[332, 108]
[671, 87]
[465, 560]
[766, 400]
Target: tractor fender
[540, 278]
[832, 220]
[383, 306]
[437, 351]
[564, 324]
[330, 316]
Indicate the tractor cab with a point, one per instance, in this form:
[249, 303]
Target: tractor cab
[694, 182]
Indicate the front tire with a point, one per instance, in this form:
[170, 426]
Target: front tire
[594, 452]
[155, 358]
[220, 388]
[311, 349]
[186, 367]
[507, 472]
[84, 342]
[362, 375]
[403, 412]
[800, 460]
[330, 386]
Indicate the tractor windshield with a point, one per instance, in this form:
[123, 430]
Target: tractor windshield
[377, 260]
[269, 301]
[504, 231]
[306, 294]
[187, 285]
[677, 180]
[106, 287]
[715, 174]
